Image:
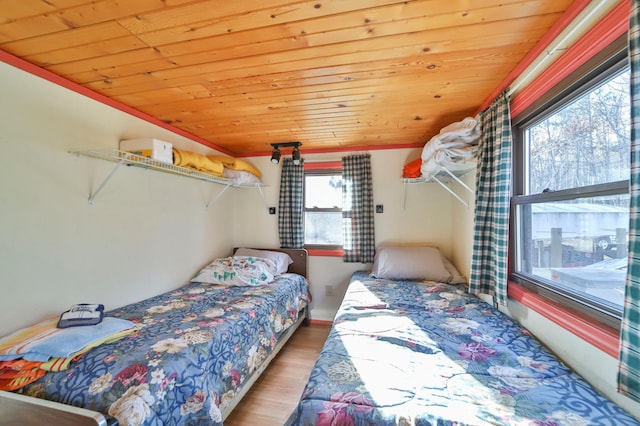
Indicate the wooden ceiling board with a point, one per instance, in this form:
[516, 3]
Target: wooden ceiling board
[374, 40]
[384, 88]
[400, 99]
[332, 74]
[13, 10]
[436, 68]
[250, 14]
[303, 61]
[68, 18]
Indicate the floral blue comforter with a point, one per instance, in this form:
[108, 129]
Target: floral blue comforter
[406, 353]
[196, 346]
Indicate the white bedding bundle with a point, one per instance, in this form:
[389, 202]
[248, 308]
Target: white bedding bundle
[454, 148]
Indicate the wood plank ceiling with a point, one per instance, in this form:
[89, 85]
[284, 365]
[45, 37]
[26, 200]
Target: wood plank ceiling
[242, 74]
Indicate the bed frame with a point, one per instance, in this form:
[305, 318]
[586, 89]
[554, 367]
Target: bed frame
[16, 409]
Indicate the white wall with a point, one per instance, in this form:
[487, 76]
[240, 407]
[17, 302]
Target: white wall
[423, 215]
[462, 224]
[147, 232]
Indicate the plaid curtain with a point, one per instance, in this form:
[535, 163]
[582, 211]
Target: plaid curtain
[629, 367]
[359, 242]
[493, 193]
[291, 205]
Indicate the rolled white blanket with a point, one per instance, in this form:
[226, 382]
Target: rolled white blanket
[456, 135]
[454, 159]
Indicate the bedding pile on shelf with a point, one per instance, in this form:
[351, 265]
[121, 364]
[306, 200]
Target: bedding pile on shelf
[28, 354]
[453, 149]
[238, 171]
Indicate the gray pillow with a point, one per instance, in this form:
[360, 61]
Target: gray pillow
[410, 263]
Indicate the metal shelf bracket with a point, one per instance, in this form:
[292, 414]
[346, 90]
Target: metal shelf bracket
[217, 196]
[93, 196]
[439, 181]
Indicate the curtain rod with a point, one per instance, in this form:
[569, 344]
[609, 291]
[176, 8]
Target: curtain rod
[577, 28]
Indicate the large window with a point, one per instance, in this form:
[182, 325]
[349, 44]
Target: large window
[323, 208]
[571, 208]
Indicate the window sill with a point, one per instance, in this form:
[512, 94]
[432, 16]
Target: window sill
[599, 335]
[326, 252]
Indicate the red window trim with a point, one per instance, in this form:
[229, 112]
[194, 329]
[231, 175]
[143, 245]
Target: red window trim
[323, 165]
[605, 32]
[325, 252]
[597, 334]
[543, 44]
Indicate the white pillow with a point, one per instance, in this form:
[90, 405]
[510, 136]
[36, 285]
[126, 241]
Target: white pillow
[282, 260]
[410, 263]
[237, 271]
[241, 177]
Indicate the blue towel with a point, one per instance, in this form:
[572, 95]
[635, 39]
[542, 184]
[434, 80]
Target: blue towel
[62, 342]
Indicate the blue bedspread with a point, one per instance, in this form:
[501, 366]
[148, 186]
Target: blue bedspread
[403, 353]
[196, 347]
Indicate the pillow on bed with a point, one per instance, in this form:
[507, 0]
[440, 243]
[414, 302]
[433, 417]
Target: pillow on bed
[281, 260]
[410, 263]
[237, 271]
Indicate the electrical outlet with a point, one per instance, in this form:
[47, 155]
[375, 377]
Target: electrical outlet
[328, 290]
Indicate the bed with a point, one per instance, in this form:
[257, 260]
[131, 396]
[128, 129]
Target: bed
[196, 351]
[423, 352]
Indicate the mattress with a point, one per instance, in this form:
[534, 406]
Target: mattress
[427, 353]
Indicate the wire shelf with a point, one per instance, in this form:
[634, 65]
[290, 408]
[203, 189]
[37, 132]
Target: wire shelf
[136, 160]
[131, 159]
[443, 177]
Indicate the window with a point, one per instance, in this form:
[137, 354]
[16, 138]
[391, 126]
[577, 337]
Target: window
[323, 208]
[571, 204]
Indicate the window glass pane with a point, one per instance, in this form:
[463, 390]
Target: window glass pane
[323, 228]
[323, 191]
[577, 246]
[584, 143]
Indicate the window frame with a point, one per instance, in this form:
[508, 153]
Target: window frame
[609, 62]
[321, 169]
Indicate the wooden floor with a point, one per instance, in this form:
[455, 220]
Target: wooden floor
[274, 396]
